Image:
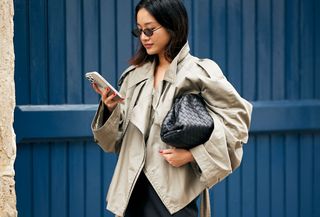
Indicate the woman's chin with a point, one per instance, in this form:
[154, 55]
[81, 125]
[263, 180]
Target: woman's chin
[151, 51]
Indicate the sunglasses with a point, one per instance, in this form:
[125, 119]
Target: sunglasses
[147, 32]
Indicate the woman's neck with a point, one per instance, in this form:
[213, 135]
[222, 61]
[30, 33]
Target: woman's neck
[163, 62]
[160, 70]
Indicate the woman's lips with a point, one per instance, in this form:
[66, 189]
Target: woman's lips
[147, 46]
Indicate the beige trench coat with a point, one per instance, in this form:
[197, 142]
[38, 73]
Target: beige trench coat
[124, 133]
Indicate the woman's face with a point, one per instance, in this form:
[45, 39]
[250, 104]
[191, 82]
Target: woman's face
[157, 43]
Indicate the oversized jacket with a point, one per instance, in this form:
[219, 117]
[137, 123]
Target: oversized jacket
[124, 132]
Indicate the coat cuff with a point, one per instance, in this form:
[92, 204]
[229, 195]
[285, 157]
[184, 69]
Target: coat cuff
[109, 127]
[211, 172]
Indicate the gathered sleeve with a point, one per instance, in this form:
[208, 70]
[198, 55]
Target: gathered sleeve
[107, 128]
[231, 114]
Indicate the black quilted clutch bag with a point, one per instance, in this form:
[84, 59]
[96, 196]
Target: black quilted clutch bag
[188, 123]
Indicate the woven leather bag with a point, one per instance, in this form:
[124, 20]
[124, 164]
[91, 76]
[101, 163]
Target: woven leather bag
[188, 123]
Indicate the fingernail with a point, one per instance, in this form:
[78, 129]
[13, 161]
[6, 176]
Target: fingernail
[107, 89]
[160, 151]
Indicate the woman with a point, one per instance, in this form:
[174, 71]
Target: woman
[151, 178]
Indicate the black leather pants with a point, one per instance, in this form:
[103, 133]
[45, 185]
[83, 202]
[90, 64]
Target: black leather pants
[145, 202]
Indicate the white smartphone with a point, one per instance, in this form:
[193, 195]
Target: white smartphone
[95, 77]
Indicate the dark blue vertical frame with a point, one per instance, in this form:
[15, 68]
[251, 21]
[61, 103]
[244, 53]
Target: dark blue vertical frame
[307, 92]
[134, 40]
[109, 59]
[316, 153]
[248, 182]
[234, 59]
[277, 153]
[218, 54]
[23, 163]
[219, 34]
[234, 43]
[108, 55]
[189, 7]
[263, 176]
[219, 201]
[317, 48]
[57, 95]
[38, 51]
[264, 62]
[292, 149]
[123, 30]
[56, 51]
[306, 174]
[41, 180]
[24, 180]
[59, 180]
[307, 48]
[108, 164]
[74, 72]
[21, 44]
[39, 95]
[249, 49]
[108, 49]
[75, 82]
[202, 29]
[92, 180]
[316, 176]
[248, 67]
[90, 45]
[292, 49]
[76, 185]
[234, 198]
[278, 49]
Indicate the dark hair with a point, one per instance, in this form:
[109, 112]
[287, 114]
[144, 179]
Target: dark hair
[172, 15]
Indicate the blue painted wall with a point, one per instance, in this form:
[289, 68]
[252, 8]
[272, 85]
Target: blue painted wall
[268, 49]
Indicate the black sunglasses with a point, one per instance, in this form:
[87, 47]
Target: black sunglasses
[148, 32]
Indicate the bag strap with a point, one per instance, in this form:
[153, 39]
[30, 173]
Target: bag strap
[205, 210]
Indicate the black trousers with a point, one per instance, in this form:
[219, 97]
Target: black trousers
[145, 202]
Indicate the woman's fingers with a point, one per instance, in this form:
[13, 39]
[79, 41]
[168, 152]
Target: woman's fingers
[177, 157]
[95, 87]
[106, 97]
[166, 151]
[105, 94]
[109, 100]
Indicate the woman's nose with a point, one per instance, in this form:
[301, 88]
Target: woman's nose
[143, 37]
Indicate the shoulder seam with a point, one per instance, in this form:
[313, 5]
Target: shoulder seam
[210, 67]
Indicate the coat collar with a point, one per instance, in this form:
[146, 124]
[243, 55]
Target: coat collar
[171, 74]
[146, 71]
[142, 73]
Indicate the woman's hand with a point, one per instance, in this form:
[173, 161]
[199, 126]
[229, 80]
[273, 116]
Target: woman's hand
[106, 98]
[177, 157]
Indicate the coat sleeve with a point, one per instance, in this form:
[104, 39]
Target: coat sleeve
[222, 153]
[107, 127]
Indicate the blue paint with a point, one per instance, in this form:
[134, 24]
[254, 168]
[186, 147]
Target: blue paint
[63, 122]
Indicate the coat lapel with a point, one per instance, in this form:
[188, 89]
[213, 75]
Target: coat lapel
[140, 104]
[140, 115]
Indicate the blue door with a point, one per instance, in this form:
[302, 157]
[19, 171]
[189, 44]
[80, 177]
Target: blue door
[268, 49]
